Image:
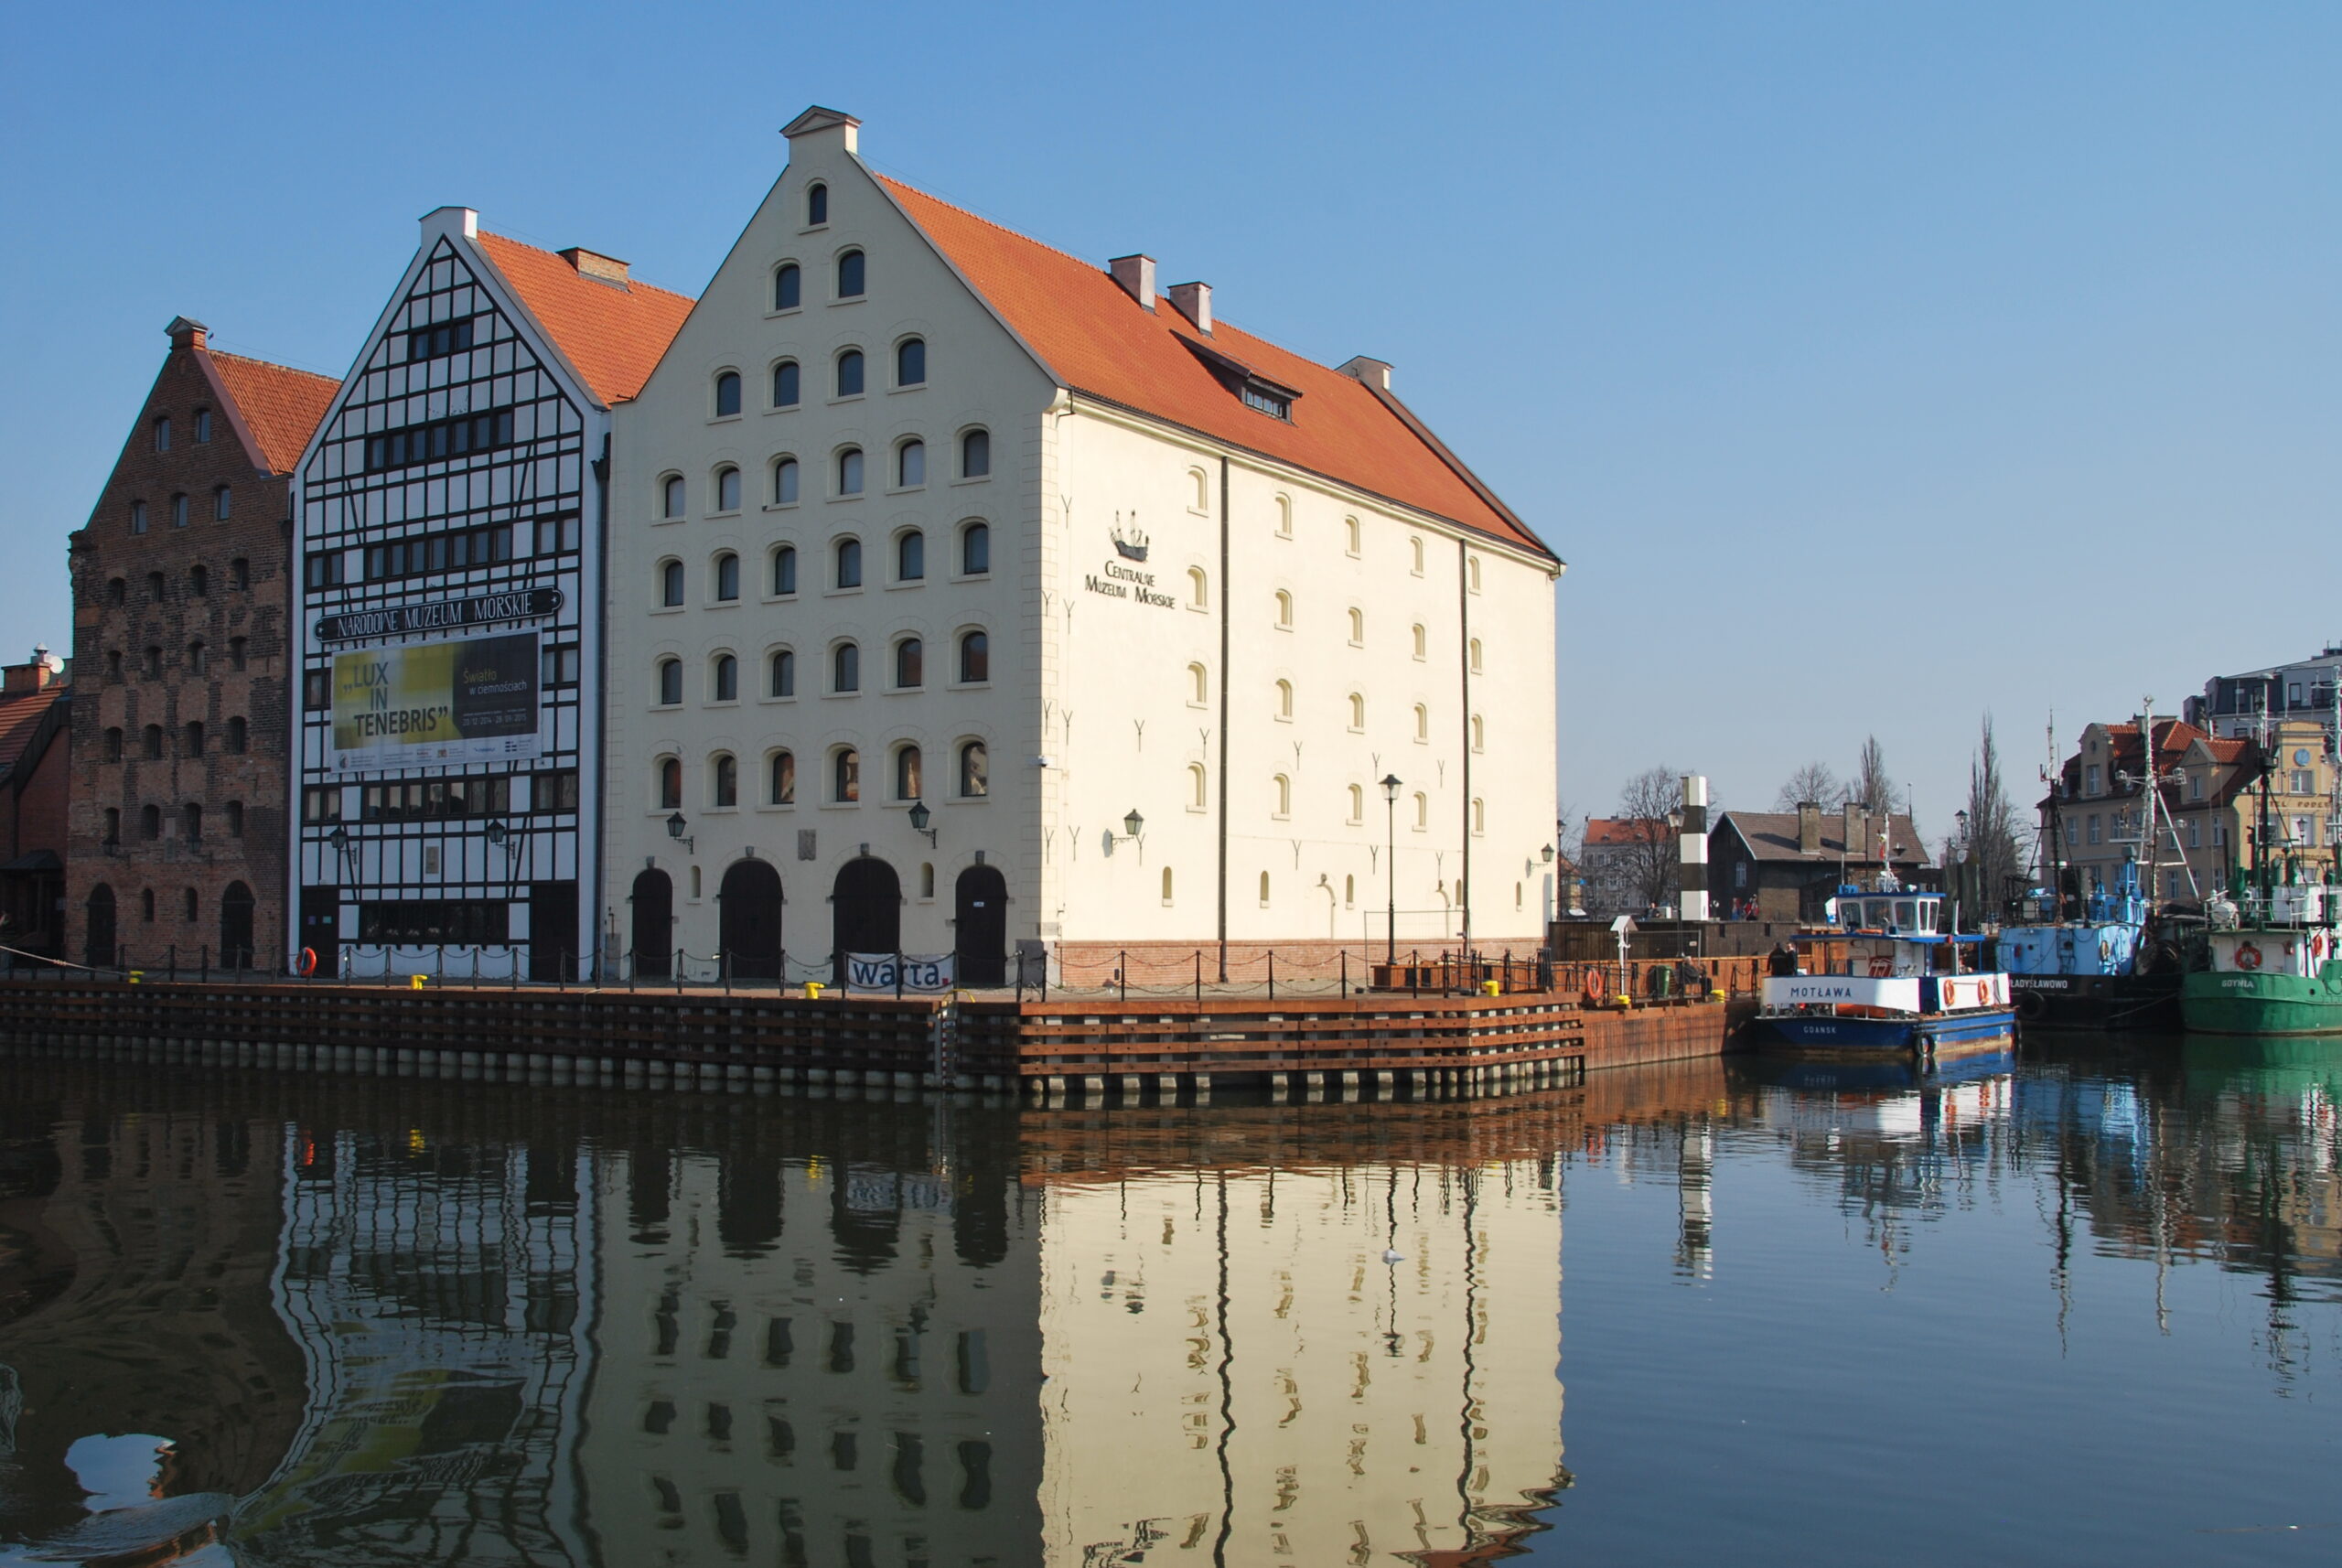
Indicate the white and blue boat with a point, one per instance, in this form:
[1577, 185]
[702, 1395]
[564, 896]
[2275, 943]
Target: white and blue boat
[1909, 987]
[2116, 966]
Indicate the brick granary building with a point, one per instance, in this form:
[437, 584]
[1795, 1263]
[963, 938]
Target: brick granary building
[180, 594]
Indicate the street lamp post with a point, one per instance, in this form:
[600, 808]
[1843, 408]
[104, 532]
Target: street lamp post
[1390, 864]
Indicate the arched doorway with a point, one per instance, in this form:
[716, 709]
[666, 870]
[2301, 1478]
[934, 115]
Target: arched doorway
[653, 936]
[100, 947]
[866, 909]
[749, 922]
[981, 922]
[236, 927]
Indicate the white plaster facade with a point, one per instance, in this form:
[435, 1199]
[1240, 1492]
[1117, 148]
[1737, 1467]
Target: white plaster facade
[1220, 688]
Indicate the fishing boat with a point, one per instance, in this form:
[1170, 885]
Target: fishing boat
[2276, 962]
[1910, 988]
[2118, 966]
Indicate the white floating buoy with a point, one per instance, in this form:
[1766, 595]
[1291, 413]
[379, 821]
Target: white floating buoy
[1389, 1256]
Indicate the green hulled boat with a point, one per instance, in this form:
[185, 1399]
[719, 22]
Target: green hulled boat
[2276, 970]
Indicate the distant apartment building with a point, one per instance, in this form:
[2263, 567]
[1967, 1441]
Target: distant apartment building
[448, 718]
[36, 715]
[1626, 864]
[180, 595]
[2235, 706]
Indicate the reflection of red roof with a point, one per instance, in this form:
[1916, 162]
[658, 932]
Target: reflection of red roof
[1096, 339]
[20, 717]
[280, 405]
[613, 333]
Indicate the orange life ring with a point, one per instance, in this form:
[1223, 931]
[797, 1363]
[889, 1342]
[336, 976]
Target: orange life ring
[309, 964]
[1882, 968]
[2248, 956]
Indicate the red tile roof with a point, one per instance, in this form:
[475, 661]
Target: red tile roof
[1095, 338]
[20, 717]
[612, 333]
[1601, 831]
[280, 405]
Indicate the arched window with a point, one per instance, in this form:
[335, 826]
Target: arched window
[1472, 572]
[187, 899]
[113, 825]
[1166, 886]
[849, 563]
[911, 664]
[1357, 711]
[1476, 655]
[1198, 685]
[155, 588]
[849, 373]
[195, 658]
[191, 827]
[911, 556]
[1479, 734]
[727, 393]
[1284, 517]
[975, 453]
[1199, 588]
[1198, 490]
[154, 663]
[179, 512]
[1349, 892]
[151, 741]
[239, 736]
[1351, 534]
[1284, 609]
[1284, 699]
[728, 575]
[1281, 795]
[671, 783]
[787, 389]
[150, 828]
[224, 504]
[1358, 627]
[722, 780]
[1479, 816]
[147, 904]
[670, 496]
[845, 668]
[927, 879]
[817, 205]
[1357, 803]
[111, 749]
[1422, 642]
[910, 363]
[137, 517]
[846, 776]
[1415, 548]
[975, 769]
[780, 780]
[910, 464]
[723, 678]
[849, 275]
[907, 779]
[235, 819]
[784, 569]
[1264, 890]
[727, 489]
[788, 286]
[975, 657]
[240, 572]
[850, 471]
[1422, 722]
[670, 681]
[780, 673]
[976, 550]
[670, 584]
[784, 482]
[117, 591]
[193, 743]
[1422, 812]
[237, 647]
[1196, 796]
[202, 425]
[198, 583]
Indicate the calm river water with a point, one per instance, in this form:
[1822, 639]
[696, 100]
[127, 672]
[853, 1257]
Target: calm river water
[2087, 1310]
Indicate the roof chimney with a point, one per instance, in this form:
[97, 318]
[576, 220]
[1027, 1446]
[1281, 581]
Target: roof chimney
[186, 334]
[1136, 274]
[1373, 372]
[1194, 300]
[1809, 827]
[595, 265]
[1856, 825]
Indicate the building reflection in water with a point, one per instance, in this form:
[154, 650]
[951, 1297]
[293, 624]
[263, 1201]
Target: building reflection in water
[396, 1321]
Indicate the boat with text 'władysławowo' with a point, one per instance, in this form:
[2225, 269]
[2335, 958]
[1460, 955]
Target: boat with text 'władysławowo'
[1909, 986]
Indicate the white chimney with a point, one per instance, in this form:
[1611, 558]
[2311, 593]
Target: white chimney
[1194, 300]
[1373, 372]
[1136, 274]
[441, 221]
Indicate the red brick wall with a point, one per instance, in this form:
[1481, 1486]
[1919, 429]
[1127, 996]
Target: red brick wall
[106, 550]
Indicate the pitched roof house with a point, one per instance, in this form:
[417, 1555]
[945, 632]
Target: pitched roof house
[1787, 865]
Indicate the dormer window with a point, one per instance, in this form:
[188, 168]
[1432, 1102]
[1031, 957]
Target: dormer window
[1260, 393]
[1274, 405]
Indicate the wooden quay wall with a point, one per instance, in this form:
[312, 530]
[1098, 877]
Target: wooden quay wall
[1378, 1044]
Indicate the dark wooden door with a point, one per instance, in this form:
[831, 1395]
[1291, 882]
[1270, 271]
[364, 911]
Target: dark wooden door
[553, 931]
[236, 927]
[981, 922]
[100, 950]
[653, 934]
[321, 929]
[866, 908]
[750, 919]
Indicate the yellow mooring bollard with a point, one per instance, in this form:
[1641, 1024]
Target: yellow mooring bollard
[812, 991]
[137, 975]
[414, 982]
[1490, 988]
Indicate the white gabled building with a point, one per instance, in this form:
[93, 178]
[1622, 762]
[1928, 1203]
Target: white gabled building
[920, 519]
[448, 559]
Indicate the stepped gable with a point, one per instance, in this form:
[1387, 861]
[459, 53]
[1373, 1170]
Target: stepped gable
[1096, 339]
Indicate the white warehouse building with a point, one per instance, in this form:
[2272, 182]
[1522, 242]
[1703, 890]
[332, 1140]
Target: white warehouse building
[969, 598]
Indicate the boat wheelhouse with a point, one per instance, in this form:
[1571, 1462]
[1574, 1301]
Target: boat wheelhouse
[2116, 965]
[2276, 963]
[1909, 986]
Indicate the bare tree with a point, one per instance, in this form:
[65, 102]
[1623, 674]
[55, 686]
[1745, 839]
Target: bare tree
[1871, 787]
[1992, 857]
[1813, 782]
[1647, 862]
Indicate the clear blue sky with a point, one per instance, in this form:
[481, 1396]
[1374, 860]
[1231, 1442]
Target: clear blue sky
[1996, 342]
